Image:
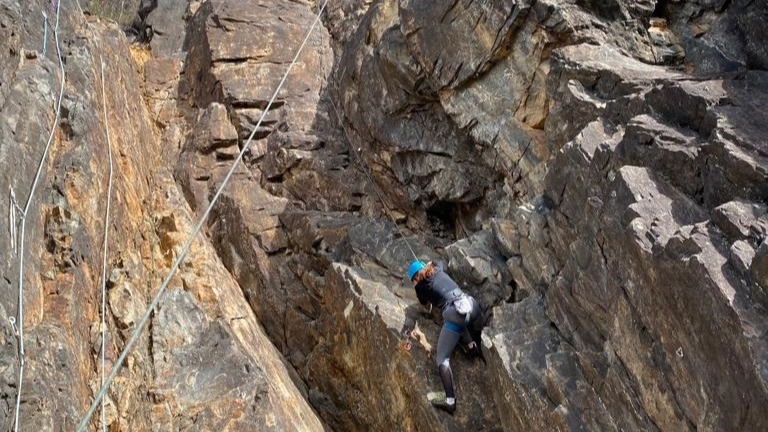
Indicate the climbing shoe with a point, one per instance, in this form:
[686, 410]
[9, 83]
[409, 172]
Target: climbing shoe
[438, 401]
[445, 406]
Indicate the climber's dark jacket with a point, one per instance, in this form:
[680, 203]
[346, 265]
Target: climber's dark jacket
[438, 289]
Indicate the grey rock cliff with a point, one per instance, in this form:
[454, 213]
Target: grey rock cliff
[595, 172]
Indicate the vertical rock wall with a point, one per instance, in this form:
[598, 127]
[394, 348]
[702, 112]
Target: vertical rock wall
[205, 362]
[594, 171]
[626, 196]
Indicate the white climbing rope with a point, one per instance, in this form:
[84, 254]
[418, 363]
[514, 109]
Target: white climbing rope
[103, 327]
[25, 213]
[77, 2]
[103, 314]
[185, 248]
[370, 179]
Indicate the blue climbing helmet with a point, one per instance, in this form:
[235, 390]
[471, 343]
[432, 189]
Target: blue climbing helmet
[415, 267]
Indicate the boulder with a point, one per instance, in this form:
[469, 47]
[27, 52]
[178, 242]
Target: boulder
[741, 220]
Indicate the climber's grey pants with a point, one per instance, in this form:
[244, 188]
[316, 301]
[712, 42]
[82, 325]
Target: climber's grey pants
[448, 338]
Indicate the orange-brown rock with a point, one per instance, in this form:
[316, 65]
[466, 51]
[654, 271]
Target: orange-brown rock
[595, 172]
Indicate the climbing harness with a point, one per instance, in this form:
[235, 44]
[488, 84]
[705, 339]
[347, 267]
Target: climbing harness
[25, 212]
[463, 304]
[454, 327]
[187, 245]
[370, 179]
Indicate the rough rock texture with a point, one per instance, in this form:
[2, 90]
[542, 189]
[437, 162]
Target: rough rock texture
[224, 376]
[594, 171]
[629, 202]
[720, 36]
[639, 248]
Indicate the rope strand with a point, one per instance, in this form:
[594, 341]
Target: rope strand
[103, 327]
[103, 314]
[185, 249]
[22, 360]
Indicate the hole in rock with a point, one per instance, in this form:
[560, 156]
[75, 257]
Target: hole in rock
[661, 9]
[442, 218]
[517, 294]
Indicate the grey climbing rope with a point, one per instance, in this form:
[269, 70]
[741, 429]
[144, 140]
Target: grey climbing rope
[25, 213]
[185, 248]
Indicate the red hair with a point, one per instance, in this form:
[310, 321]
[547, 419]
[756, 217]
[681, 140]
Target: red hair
[428, 270]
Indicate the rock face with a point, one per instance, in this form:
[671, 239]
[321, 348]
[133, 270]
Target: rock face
[206, 362]
[595, 172]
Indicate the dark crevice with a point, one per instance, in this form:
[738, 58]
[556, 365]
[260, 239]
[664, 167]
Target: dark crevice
[237, 20]
[448, 11]
[442, 219]
[567, 339]
[259, 104]
[456, 74]
[517, 295]
[661, 9]
[601, 246]
[233, 60]
[421, 152]
[725, 5]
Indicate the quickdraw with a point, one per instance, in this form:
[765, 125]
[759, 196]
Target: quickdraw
[45, 33]
[405, 343]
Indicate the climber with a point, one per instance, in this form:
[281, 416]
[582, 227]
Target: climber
[462, 320]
